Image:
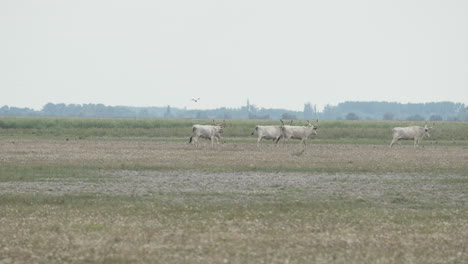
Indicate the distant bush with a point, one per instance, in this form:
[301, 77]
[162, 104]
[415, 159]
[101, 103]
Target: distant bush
[352, 116]
[288, 116]
[435, 118]
[415, 118]
[388, 116]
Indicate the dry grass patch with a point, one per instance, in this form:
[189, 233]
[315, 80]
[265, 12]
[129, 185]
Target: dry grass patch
[121, 230]
[138, 154]
[151, 201]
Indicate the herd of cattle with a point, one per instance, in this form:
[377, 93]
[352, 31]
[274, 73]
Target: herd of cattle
[285, 132]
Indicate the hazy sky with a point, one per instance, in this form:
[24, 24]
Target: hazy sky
[277, 54]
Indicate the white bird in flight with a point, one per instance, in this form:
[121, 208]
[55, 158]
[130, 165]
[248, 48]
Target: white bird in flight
[195, 100]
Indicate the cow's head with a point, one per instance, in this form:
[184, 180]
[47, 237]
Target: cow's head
[220, 126]
[426, 131]
[314, 127]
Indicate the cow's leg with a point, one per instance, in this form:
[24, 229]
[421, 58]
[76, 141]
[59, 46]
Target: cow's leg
[276, 140]
[416, 142]
[286, 141]
[259, 139]
[393, 141]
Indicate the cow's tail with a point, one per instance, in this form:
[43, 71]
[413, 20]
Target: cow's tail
[255, 129]
[190, 141]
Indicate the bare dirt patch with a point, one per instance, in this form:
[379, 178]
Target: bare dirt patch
[240, 187]
[153, 154]
[149, 167]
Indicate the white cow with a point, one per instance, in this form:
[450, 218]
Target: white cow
[415, 133]
[267, 132]
[211, 132]
[298, 132]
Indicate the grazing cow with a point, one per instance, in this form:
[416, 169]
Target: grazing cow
[267, 132]
[211, 132]
[415, 133]
[298, 132]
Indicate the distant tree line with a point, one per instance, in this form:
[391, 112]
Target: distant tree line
[437, 111]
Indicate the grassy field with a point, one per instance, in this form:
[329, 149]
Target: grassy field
[134, 191]
[349, 132]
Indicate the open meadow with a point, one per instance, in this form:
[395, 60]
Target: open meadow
[134, 191]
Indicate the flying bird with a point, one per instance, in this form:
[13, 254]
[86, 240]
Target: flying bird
[195, 100]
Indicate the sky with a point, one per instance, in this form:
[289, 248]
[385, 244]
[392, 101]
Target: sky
[276, 54]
